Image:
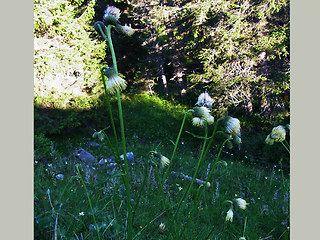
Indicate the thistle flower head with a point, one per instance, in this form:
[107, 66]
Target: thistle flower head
[210, 119]
[241, 203]
[126, 30]
[233, 126]
[202, 114]
[162, 226]
[114, 81]
[237, 140]
[164, 161]
[198, 122]
[205, 100]
[229, 216]
[278, 133]
[111, 15]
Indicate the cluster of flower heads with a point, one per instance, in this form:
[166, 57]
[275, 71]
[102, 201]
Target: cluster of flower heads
[240, 203]
[111, 17]
[202, 110]
[278, 134]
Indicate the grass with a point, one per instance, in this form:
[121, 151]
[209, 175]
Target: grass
[265, 189]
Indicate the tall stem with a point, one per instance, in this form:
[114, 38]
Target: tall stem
[176, 145]
[196, 172]
[126, 170]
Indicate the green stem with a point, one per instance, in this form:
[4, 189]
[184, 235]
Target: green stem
[126, 172]
[176, 144]
[109, 108]
[196, 172]
[84, 185]
[113, 54]
[202, 190]
[285, 147]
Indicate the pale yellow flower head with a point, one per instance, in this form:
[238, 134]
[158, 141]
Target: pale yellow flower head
[233, 126]
[114, 82]
[278, 133]
[196, 121]
[164, 161]
[126, 30]
[162, 226]
[205, 100]
[201, 115]
[229, 216]
[241, 203]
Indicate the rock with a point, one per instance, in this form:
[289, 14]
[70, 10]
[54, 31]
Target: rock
[59, 176]
[130, 156]
[93, 144]
[85, 156]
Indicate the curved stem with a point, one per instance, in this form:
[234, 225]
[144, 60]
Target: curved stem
[113, 54]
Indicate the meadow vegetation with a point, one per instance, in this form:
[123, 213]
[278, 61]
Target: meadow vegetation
[199, 167]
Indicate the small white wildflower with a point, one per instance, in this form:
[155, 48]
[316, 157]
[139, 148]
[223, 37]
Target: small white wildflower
[180, 188]
[241, 203]
[81, 214]
[229, 216]
[242, 238]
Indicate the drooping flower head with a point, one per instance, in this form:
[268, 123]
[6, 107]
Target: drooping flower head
[278, 134]
[126, 30]
[205, 100]
[164, 161]
[162, 226]
[111, 15]
[241, 203]
[114, 81]
[202, 115]
[233, 126]
[229, 216]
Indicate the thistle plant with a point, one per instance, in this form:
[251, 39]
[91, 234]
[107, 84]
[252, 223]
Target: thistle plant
[114, 84]
[278, 134]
